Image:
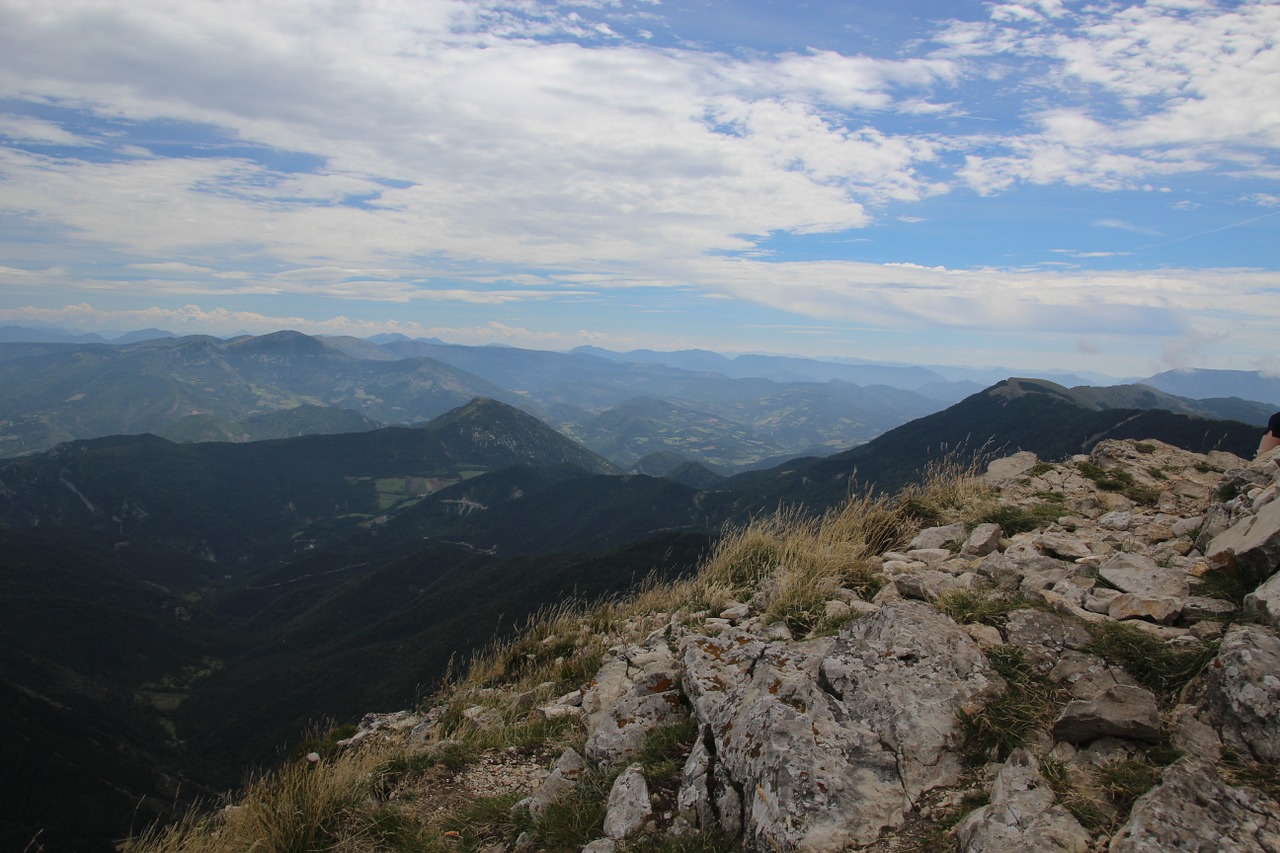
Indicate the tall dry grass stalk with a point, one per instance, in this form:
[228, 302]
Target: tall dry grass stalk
[299, 808]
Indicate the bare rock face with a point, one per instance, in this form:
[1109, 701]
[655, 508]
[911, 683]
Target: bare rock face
[1243, 691]
[1193, 810]
[1141, 575]
[631, 696]
[829, 741]
[1022, 815]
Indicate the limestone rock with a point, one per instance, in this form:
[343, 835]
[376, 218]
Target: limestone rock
[1011, 466]
[1043, 637]
[1085, 675]
[1141, 575]
[1243, 691]
[629, 806]
[652, 701]
[827, 742]
[616, 678]
[939, 537]
[1202, 607]
[1157, 608]
[1062, 546]
[984, 539]
[925, 586]
[1265, 600]
[1192, 736]
[1120, 711]
[1252, 544]
[568, 768]
[1022, 815]
[1193, 811]
[486, 719]
[1117, 520]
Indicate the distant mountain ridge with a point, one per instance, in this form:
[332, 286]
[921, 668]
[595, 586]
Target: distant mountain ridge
[727, 414]
[1202, 384]
[1016, 414]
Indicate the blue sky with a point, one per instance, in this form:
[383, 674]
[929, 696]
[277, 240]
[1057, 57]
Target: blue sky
[1041, 183]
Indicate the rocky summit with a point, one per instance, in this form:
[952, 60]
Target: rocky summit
[1073, 656]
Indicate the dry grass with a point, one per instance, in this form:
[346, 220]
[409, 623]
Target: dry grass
[300, 807]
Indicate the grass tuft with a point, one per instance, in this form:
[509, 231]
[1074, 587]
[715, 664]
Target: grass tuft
[1028, 705]
[987, 607]
[1160, 667]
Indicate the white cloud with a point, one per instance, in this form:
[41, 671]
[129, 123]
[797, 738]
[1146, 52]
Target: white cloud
[1122, 225]
[498, 161]
[1175, 87]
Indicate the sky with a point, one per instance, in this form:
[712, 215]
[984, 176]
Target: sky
[1037, 183]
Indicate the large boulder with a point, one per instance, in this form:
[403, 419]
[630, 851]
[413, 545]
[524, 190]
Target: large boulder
[1119, 711]
[827, 742]
[633, 694]
[1252, 544]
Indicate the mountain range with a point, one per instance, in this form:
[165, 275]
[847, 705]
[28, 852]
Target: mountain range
[729, 415]
[176, 611]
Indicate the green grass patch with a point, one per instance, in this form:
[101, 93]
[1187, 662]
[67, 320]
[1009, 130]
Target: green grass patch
[703, 842]
[1124, 781]
[1006, 722]
[1239, 770]
[986, 607]
[664, 752]
[1118, 480]
[1016, 519]
[1153, 663]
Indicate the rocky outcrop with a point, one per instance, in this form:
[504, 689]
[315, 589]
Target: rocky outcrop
[840, 738]
[828, 742]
